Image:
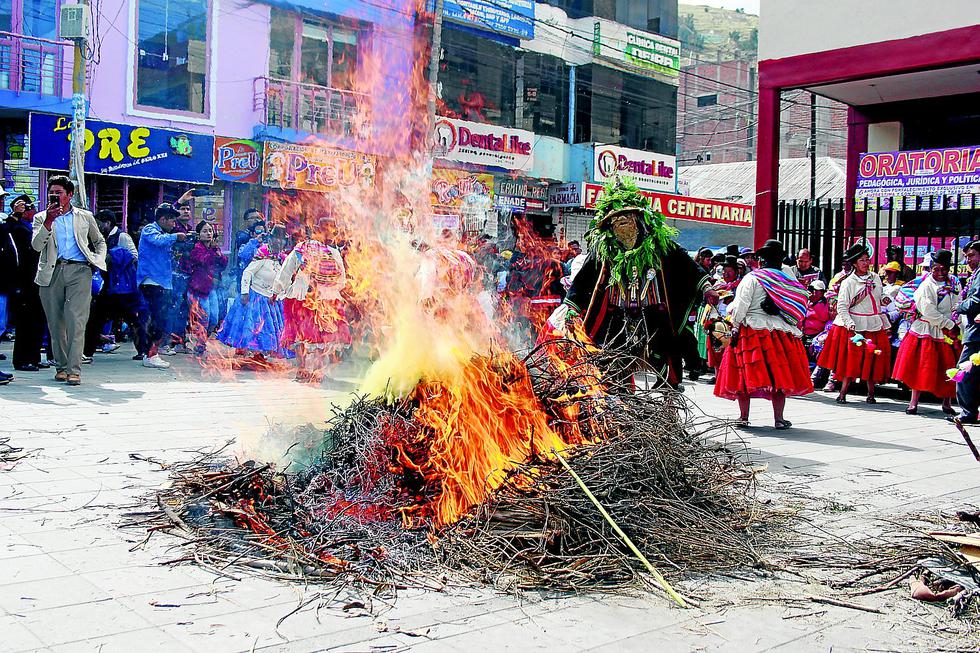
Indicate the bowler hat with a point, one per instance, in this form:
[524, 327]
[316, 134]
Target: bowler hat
[855, 251]
[731, 250]
[943, 257]
[772, 249]
[731, 262]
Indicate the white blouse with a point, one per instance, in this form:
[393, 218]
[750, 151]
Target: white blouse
[293, 283]
[260, 275]
[746, 309]
[863, 315]
[933, 314]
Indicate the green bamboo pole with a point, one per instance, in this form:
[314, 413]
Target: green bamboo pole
[671, 592]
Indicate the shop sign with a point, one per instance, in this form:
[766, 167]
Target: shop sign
[473, 142]
[457, 189]
[919, 173]
[510, 203]
[514, 18]
[521, 188]
[237, 159]
[123, 150]
[678, 207]
[649, 170]
[538, 206]
[321, 169]
[565, 195]
[638, 50]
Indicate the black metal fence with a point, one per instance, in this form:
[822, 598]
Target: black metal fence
[822, 228]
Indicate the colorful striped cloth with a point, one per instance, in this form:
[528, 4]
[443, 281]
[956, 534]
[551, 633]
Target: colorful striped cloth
[785, 291]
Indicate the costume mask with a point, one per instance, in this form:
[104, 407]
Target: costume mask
[625, 229]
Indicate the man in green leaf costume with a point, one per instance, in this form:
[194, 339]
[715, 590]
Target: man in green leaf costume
[638, 286]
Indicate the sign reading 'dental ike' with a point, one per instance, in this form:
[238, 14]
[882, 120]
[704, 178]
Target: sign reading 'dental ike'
[919, 173]
[649, 170]
[123, 150]
[514, 18]
[323, 169]
[474, 142]
[237, 159]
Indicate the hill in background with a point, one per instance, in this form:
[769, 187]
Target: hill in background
[705, 30]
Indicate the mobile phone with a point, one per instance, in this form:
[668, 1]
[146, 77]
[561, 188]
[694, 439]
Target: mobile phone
[52, 199]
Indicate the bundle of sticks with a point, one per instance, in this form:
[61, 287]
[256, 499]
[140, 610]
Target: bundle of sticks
[647, 473]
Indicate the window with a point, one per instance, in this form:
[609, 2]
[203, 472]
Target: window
[708, 100]
[27, 64]
[327, 53]
[545, 95]
[623, 109]
[478, 79]
[172, 57]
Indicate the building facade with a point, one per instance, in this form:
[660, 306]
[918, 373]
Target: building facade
[908, 75]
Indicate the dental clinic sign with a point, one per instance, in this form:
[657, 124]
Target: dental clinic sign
[649, 170]
[637, 51]
[919, 173]
[489, 145]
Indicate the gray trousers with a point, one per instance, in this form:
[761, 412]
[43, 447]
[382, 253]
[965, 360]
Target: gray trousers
[968, 390]
[66, 302]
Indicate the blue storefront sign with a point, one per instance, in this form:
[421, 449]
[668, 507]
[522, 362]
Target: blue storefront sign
[137, 151]
[514, 18]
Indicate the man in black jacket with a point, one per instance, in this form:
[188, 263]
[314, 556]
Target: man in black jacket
[967, 390]
[29, 315]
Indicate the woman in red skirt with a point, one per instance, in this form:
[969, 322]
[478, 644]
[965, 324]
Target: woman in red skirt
[314, 319]
[766, 358]
[857, 345]
[929, 349]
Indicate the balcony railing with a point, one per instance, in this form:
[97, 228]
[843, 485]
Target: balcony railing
[309, 107]
[35, 66]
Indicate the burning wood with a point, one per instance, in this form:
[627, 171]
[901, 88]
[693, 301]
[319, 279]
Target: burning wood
[443, 480]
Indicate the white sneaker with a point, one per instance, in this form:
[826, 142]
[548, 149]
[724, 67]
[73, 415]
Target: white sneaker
[110, 347]
[168, 351]
[155, 362]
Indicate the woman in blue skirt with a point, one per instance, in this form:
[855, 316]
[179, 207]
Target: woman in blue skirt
[255, 322]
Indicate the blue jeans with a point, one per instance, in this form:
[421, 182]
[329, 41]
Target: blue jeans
[4, 300]
[180, 309]
[210, 306]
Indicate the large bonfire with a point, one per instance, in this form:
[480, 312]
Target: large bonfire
[461, 450]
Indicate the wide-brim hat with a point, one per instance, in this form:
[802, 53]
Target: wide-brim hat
[855, 251]
[893, 266]
[26, 198]
[771, 249]
[943, 257]
[732, 250]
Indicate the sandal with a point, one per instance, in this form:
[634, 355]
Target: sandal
[783, 424]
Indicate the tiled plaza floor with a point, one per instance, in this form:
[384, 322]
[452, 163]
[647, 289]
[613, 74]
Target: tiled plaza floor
[71, 580]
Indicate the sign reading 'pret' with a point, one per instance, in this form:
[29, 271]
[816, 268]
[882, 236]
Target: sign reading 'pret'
[649, 170]
[514, 18]
[473, 142]
[678, 207]
[237, 159]
[123, 150]
[323, 169]
[948, 171]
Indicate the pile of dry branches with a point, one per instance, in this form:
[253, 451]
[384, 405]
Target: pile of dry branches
[673, 488]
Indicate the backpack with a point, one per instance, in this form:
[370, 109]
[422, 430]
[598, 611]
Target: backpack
[121, 266]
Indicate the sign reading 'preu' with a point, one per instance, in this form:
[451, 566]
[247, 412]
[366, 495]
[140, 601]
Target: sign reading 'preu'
[323, 169]
[474, 142]
[123, 150]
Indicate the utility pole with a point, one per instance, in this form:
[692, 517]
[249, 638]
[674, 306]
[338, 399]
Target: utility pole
[434, 63]
[813, 149]
[77, 159]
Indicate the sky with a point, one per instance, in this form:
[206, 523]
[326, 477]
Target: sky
[750, 6]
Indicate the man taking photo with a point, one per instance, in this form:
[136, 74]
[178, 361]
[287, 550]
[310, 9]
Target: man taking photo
[154, 275]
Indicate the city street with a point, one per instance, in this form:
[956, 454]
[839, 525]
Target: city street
[74, 581]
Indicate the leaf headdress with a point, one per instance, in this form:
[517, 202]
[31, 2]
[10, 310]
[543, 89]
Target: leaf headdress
[654, 237]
